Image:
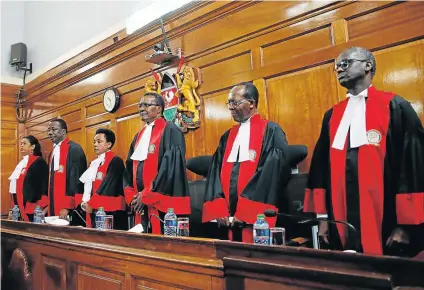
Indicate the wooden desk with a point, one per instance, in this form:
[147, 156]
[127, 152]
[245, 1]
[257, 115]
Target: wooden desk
[79, 258]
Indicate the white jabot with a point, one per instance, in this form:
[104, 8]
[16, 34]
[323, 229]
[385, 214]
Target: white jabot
[89, 176]
[353, 117]
[15, 174]
[56, 156]
[140, 153]
[241, 144]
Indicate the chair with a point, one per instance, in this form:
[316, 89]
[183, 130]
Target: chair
[18, 274]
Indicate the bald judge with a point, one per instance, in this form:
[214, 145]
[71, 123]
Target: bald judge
[249, 169]
[368, 165]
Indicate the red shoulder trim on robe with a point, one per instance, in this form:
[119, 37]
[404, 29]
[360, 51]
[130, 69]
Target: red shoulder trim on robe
[109, 203]
[29, 207]
[61, 200]
[410, 208]
[370, 171]
[315, 201]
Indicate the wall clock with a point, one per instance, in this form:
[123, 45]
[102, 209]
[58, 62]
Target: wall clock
[111, 100]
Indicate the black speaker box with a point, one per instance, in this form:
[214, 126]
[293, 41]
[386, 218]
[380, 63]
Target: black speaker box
[18, 54]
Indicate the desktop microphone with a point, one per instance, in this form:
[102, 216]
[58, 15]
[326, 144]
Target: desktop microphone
[273, 213]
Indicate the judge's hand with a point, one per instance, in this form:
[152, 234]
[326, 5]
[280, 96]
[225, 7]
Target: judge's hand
[236, 222]
[224, 221]
[136, 203]
[85, 206]
[46, 210]
[398, 235]
[63, 214]
[323, 231]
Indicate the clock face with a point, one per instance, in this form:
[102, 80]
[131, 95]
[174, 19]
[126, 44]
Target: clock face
[110, 100]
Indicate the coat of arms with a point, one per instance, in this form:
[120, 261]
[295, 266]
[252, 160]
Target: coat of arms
[179, 92]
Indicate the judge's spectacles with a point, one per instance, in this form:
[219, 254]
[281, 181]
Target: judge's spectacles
[146, 105]
[346, 63]
[233, 104]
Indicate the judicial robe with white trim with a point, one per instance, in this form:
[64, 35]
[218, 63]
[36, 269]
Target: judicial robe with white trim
[108, 192]
[246, 189]
[375, 187]
[31, 186]
[161, 178]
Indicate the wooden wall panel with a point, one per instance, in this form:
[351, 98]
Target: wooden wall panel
[218, 119]
[276, 52]
[126, 128]
[286, 48]
[96, 279]
[304, 95]
[53, 273]
[9, 141]
[401, 69]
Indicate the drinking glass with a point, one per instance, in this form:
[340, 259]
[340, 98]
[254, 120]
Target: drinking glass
[183, 227]
[278, 236]
[108, 222]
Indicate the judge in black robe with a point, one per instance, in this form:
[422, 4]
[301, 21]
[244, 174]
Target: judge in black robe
[103, 183]
[249, 169]
[377, 186]
[28, 182]
[67, 162]
[155, 177]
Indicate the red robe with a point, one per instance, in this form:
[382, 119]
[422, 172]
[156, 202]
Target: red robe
[375, 187]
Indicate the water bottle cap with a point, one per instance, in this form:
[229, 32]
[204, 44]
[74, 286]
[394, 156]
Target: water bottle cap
[261, 216]
[101, 208]
[170, 209]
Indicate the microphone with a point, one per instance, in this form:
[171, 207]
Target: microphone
[273, 213]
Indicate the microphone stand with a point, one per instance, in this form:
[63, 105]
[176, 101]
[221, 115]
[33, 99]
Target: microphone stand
[310, 220]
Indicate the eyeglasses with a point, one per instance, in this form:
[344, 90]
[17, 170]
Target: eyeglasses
[146, 105]
[346, 63]
[233, 104]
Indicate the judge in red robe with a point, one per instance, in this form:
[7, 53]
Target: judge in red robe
[249, 169]
[368, 165]
[155, 177]
[67, 162]
[103, 183]
[28, 182]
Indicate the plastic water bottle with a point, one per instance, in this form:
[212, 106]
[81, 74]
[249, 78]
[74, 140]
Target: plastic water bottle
[100, 219]
[170, 225]
[261, 231]
[15, 213]
[38, 215]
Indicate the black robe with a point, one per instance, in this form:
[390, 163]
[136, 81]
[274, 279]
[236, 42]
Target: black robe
[169, 187]
[107, 192]
[32, 187]
[398, 136]
[62, 192]
[264, 189]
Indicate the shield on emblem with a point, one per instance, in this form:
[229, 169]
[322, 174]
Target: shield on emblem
[169, 94]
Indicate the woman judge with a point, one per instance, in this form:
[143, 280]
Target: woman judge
[103, 183]
[28, 182]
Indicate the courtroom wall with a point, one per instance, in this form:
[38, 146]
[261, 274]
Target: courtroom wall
[286, 48]
[9, 140]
